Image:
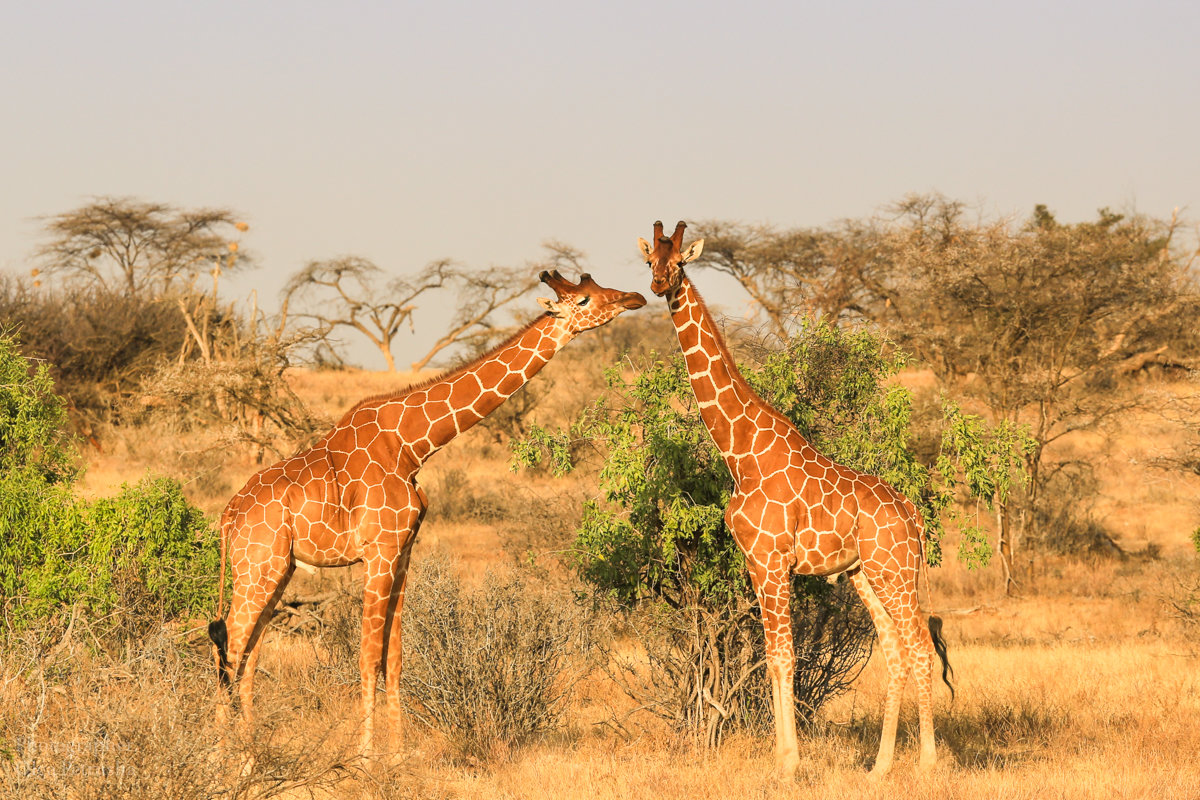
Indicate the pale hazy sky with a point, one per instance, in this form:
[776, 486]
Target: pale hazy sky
[406, 132]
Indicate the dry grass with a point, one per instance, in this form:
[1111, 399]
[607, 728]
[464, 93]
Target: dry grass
[1086, 685]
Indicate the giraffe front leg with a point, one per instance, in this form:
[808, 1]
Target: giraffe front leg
[773, 587]
[923, 674]
[915, 637]
[781, 661]
[382, 568]
[395, 652]
[376, 588]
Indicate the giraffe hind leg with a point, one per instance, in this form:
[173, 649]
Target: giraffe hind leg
[249, 615]
[915, 633]
[916, 647]
[897, 669]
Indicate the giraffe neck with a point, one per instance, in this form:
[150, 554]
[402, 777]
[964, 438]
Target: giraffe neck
[721, 392]
[440, 410]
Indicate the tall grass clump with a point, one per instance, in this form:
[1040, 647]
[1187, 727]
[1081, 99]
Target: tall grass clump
[490, 667]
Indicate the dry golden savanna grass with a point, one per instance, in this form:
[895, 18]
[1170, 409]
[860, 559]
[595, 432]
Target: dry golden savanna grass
[1085, 684]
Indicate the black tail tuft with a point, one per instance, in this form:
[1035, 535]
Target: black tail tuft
[220, 637]
[939, 647]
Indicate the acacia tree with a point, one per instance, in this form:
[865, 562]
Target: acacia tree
[1037, 320]
[347, 291]
[481, 294]
[123, 275]
[137, 248]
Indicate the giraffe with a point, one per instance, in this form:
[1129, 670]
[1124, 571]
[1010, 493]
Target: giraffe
[796, 512]
[353, 497]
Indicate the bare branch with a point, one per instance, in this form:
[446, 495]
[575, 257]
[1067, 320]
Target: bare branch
[346, 291]
[481, 295]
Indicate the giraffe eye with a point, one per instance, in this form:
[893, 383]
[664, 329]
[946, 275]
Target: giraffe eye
[585, 301]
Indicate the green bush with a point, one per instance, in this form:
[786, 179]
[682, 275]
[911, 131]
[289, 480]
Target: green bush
[33, 419]
[125, 563]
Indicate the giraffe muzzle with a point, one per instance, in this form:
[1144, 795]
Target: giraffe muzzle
[660, 287]
[632, 301]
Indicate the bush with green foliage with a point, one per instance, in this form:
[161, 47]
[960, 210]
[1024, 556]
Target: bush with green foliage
[33, 419]
[125, 562]
[659, 537]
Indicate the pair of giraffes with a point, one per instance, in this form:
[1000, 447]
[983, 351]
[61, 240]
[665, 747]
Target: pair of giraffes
[353, 497]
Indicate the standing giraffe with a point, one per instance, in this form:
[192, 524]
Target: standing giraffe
[796, 512]
[353, 495]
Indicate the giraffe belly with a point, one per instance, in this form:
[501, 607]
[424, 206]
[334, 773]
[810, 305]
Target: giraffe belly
[823, 553]
[320, 546]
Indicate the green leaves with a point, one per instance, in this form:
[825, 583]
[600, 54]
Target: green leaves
[129, 561]
[135, 559]
[33, 419]
[985, 461]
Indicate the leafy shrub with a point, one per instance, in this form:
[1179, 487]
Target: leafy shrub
[33, 418]
[134, 560]
[491, 667]
[127, 561]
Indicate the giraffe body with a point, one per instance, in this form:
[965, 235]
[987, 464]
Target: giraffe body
[795, 511]
[353, 496]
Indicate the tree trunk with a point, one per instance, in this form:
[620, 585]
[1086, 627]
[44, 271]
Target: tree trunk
[1004, 523]
[385, 347]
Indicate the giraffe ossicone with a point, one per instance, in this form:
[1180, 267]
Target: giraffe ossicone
[353, 496]
[794, 511]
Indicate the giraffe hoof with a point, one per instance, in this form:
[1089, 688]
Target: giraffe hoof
[787, 766]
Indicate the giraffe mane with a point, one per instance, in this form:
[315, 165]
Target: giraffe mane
[452, 372]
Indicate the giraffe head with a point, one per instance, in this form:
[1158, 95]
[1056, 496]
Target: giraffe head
[585, 305]
[665, 257]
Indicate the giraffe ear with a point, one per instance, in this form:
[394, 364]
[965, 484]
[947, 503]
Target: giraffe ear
[694, 250]
[644, 247]
[551, 307]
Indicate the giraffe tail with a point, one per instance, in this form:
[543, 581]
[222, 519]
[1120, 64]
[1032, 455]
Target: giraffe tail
[217, 631]
[939, 647]
[220, 637]
[935, 622]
